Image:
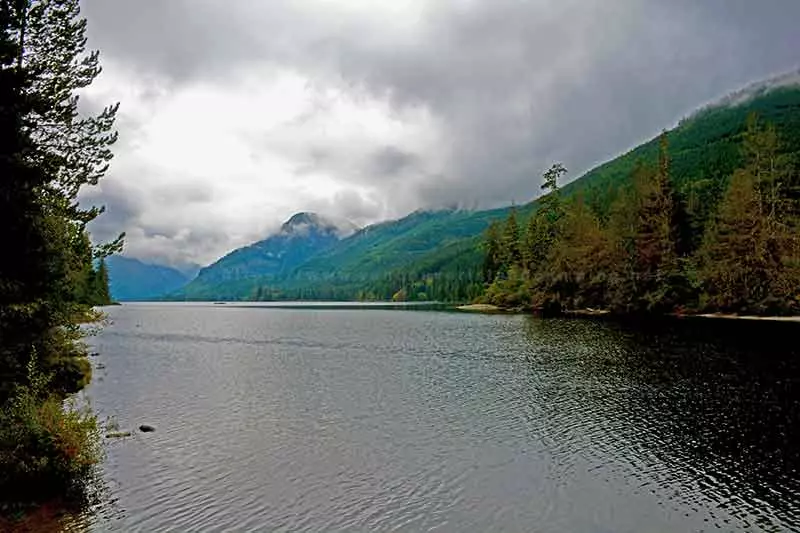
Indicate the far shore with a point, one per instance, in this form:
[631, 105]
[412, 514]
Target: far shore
[490, 308]
[480, 308]
[750, 317]
[484, 308]
[585, 313]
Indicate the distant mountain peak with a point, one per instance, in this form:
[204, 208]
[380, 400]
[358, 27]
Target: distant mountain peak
[299, 238]
[303, 217]
[303, 222]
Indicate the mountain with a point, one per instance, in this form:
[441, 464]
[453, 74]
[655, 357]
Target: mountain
[299, 238]
[438, 252]
[705, 148]
[130, 279]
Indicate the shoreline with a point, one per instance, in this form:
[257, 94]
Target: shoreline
[480, 308]
[725, 316]
[485, 308]
[595, 313]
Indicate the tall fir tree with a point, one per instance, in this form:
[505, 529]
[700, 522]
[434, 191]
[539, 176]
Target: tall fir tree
[49, 152]
[551, 201]
[578, 264]
[492, 252]
[510, 244]
[535, 243]
[542, 228]
[25, 269]
[102, 294]
[656, 267]
[749, 259]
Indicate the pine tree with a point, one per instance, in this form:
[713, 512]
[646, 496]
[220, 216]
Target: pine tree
[492, 252]
[536, 243]
[510, 246]
[48, 154]
[102, 292]
[749, 257]
[578, 263]
[621, 241]
[542, 228]
[656, 267]
[551, 202]
[74, 149]
[24, 270]
[734, 251]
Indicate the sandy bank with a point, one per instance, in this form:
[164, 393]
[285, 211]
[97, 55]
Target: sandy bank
[748, 317]
[480, 308]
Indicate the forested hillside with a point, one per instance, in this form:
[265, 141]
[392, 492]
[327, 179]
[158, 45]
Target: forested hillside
[653, 250]
[440, 254]
[236, 275]
[705, 149]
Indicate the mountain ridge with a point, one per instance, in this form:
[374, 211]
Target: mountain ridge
[301, 236]
[427, 243]
[131, 279]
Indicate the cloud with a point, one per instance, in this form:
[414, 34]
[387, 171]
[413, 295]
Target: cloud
[237, 114]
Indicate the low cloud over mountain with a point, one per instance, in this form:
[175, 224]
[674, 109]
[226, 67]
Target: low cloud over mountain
[237, 114]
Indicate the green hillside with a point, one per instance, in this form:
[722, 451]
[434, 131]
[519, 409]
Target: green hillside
[237, 273]
[396, 245]
[705, 150]
[437, 254]
[421, 242]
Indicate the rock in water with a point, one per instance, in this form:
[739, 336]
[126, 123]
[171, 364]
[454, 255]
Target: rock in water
[144, 428]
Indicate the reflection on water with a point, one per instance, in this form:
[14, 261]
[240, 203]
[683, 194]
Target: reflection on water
[365, 420]
[705, 408]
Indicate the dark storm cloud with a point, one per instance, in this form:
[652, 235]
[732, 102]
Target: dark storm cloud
[391, 161]
[513, 85]
[174, 40]
[520, 86]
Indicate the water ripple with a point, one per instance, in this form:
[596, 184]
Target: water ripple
[311, 420]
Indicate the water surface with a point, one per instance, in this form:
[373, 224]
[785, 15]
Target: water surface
[393, 420]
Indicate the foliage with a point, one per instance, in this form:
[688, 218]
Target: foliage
[48, 153]
[749, 258]
[492, 252]
[47, 450]
[642, 259]
[509, 291]
[575, 272]
[510, 251]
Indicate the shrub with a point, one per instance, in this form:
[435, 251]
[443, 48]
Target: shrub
[48, 447]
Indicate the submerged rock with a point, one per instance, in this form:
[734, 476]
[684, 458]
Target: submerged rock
[144, 428]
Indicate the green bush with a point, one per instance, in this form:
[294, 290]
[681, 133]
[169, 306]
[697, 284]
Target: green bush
[48, 447]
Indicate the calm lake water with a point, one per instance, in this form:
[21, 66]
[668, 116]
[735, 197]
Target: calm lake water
[393, 420]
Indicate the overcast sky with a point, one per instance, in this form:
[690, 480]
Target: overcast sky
[237, 114]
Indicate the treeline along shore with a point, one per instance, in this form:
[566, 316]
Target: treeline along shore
[652, 250]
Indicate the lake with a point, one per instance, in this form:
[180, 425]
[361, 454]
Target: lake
[296, 419]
